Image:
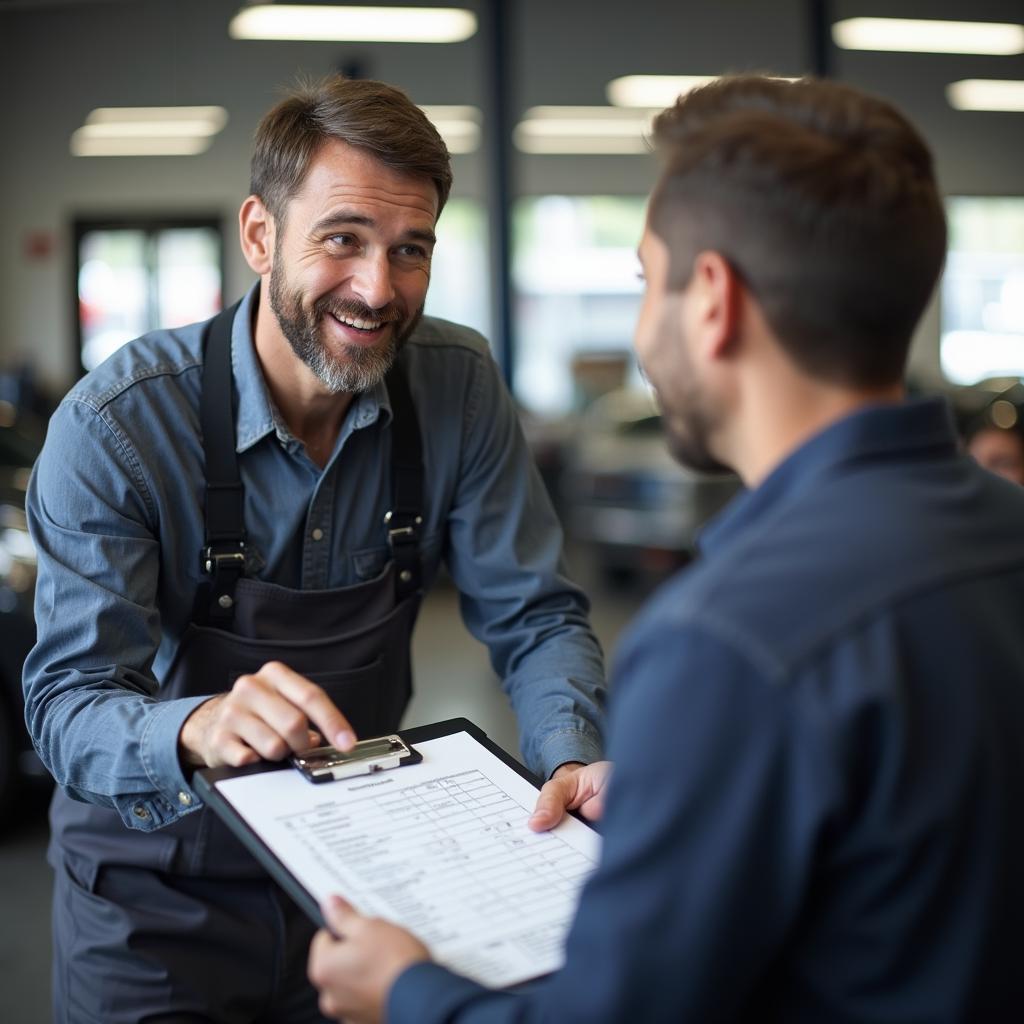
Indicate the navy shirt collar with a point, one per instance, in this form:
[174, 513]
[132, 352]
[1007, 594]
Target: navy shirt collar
[923, 426]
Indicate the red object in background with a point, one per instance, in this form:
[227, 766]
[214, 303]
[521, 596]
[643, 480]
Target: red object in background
[39, 245]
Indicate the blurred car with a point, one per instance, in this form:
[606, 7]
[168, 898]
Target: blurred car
[20, 767]
[624, 495]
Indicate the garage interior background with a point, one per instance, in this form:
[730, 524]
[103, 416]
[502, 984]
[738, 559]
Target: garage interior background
[61, 59]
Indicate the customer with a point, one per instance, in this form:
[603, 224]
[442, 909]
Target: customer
[818, 728]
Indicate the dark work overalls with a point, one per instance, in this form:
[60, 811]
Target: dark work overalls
[181, 924]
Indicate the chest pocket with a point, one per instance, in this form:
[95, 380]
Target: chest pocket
[368, 563]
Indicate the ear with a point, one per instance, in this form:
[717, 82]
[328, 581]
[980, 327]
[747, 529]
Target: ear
[717, 295]
[256, 235]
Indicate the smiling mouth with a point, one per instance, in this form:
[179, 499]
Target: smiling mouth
[359, 324]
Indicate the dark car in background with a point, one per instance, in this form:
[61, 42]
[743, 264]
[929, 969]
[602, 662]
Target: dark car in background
[20, 768]
[626, 497]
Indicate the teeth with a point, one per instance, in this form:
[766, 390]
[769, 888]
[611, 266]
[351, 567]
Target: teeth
[363, 325]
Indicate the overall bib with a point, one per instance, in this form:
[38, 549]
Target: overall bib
[133, 908]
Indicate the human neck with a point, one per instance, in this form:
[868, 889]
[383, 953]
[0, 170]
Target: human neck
[777, 420]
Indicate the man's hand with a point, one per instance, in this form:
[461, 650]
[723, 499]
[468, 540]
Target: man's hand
[354, 968]
[574, 787]
[266, 715]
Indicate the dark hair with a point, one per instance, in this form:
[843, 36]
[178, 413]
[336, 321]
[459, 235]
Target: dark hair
[824, 201]
[374, 116]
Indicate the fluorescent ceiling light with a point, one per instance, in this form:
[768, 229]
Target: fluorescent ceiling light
[579, 145]
[657, 91]
[652, 90]
[920, 36]
[459, 126]
[213, 117]
[986, 94]
[353, 24]
[148, 131]
[582, 130]
[84, 145]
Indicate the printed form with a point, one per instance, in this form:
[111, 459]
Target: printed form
[441, 848]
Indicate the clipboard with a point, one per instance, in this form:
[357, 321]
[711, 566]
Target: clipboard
[445, 836]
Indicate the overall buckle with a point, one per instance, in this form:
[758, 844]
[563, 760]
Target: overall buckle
[403, 539]
[225, 556]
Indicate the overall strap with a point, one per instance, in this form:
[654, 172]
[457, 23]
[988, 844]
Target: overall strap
[406, 514]
[223, 554]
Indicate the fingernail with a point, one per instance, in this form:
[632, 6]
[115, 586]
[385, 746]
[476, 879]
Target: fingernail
[344, 740]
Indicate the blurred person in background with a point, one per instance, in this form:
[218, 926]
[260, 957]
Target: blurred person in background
[999, 449]
[235, 524]
[817, 729]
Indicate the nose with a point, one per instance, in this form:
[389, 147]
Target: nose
[372, 282]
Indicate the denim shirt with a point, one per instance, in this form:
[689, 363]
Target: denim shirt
[815, 813]
[115, 508]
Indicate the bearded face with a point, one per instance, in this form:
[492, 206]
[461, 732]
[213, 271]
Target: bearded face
[350, 265]
[346, 367]
[688, 416]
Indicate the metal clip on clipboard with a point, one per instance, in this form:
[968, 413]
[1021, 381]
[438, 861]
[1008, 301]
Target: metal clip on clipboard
[327, 764]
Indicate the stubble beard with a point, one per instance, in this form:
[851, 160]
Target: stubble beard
[689, 420]
[356, 368]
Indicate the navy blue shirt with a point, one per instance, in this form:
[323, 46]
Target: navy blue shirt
[116, 511]
[817, 808]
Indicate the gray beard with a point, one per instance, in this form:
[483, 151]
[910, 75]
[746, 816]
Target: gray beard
[359, 369]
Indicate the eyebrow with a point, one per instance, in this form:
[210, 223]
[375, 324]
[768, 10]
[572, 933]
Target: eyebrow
[343, 219]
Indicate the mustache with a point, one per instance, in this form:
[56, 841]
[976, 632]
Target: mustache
[392, 313]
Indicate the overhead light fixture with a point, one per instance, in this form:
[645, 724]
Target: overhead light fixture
[584, 130]
[459, 126]
[148, 131]
[211, 118]
[986, 94]
[83, 145]
[657, 91]
[347, 23]
[912, 35]
[652, 90]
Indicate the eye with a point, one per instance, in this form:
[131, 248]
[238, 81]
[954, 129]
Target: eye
[411, 256]
[412, 251]
[342, 241]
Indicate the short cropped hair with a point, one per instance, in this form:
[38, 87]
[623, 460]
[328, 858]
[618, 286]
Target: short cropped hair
[824, 201]
[373, 116]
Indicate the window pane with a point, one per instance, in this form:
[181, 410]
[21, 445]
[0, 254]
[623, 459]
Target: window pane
[188, 285]
[112, 291]
[983, 290]
[458, 278]
[575, 272]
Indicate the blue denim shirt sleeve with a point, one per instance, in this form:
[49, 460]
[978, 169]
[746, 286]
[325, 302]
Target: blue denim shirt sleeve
[90, 697]
[505, 556]
[115, 508]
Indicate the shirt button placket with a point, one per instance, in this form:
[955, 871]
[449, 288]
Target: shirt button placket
[316, 556]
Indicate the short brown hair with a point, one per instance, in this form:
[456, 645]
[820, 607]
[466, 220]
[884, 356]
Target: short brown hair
[372, 115]
[822, 198]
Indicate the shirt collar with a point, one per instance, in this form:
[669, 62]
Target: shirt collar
[256, 417]
[917, 427]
